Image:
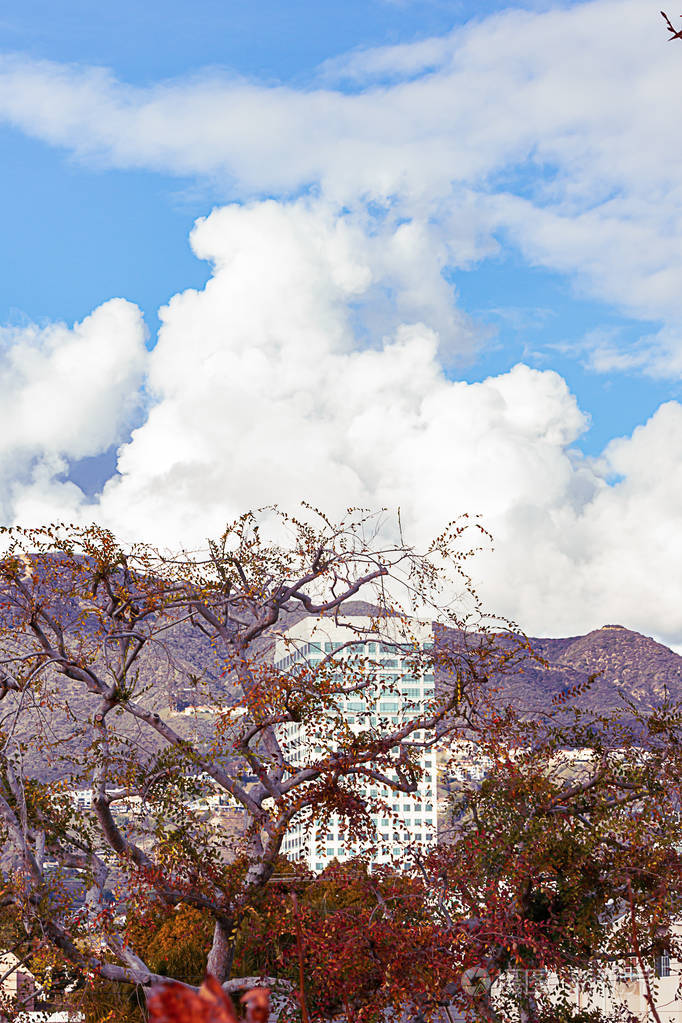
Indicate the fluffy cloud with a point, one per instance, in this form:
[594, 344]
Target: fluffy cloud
[65, 394]
[263, 391]
[262, 388]
[610, 550]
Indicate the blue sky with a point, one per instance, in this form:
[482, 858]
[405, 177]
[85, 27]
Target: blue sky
[54, 208]
[494, 179]
[264, 39]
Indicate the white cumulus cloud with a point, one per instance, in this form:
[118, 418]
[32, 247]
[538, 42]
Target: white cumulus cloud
[65, 394]
[263, 393]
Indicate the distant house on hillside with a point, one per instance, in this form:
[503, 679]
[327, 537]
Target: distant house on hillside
[62, 1016]
[17, 986]
[18, 991]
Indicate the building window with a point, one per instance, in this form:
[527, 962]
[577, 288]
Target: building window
[662, 965]
[628, 971]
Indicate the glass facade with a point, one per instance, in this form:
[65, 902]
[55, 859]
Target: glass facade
[393, 696]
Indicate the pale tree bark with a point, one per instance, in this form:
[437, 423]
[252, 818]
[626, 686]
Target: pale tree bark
[222, 950]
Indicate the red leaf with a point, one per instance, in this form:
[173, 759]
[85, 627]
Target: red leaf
[175, 1003]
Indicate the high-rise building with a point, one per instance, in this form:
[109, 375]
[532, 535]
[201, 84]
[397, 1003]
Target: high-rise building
[395, 693]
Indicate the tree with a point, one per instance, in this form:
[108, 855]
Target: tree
[80, 613]
[671, 28]
[96, 637]
[564, 860]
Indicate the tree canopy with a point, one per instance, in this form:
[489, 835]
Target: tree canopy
[562, 858]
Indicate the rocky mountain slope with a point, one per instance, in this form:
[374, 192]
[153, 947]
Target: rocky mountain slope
[626, 664]
[186, 671]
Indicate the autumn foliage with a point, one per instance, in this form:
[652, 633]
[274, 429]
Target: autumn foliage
[572, 830]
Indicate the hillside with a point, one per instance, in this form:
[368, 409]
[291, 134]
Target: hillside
[626, 664]
[186, 670]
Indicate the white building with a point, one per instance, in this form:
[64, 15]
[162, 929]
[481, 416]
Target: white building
[464, 762]
[616, 987]
[64, 1016]
[393, 695]
[17, 983]
[81, 799]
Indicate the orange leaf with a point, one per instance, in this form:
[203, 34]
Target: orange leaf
[175, 1003]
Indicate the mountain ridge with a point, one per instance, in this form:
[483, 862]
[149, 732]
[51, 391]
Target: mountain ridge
[626, 667]
[624, 663]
